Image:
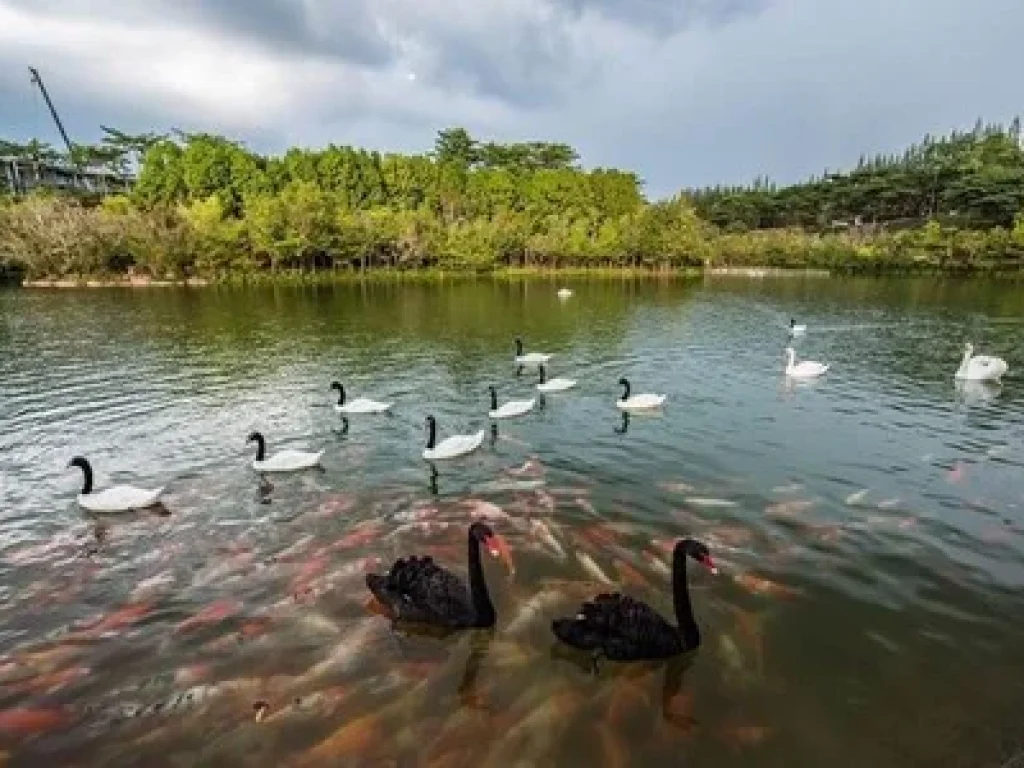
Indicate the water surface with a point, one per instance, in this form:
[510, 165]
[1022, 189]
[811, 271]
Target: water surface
[868, 525]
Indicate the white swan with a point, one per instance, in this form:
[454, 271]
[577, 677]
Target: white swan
[637, 402]
[450, 447]
[564, 293]
[795, 329]
[980, 367]
[531, 358]
[359, 405]
[119, 498]
[804, 369]
[509, 409]
[282, 461]
[554, 385]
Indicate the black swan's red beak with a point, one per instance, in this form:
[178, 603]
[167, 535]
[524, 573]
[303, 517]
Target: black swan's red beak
[497, 547]
[708, 563]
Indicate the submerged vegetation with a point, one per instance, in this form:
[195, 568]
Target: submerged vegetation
[207, 206]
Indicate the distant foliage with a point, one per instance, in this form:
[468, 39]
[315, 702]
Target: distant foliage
[207, 205]
[974, 179]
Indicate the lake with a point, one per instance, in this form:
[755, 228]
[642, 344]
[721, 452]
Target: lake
[867, 525]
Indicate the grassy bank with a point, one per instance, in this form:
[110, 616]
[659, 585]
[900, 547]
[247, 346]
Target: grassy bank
[53, 241]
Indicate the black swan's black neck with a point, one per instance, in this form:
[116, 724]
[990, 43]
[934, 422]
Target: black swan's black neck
[519, 346]
[494, 399]
[625, 389]
[483, 609]
[431, 433]
[341, 392]
[543, 374]
[681, 597]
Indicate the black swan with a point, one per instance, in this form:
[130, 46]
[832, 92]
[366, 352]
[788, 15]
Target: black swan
[419, 590]
[623, 629]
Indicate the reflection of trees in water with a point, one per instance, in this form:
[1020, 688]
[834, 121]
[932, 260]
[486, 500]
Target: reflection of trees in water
[453, 322]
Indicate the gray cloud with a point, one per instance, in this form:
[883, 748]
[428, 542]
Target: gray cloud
[686, 93]
[667, 17]
[345, 30]
[530, 64]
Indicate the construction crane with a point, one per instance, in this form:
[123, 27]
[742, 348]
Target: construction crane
[53, 111]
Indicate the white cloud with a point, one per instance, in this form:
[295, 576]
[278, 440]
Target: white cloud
[683, 93]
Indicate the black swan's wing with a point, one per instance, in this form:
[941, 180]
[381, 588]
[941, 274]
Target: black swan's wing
[621, 628]
[418, 589]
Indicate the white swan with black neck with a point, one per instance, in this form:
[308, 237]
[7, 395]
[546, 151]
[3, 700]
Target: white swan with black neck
[118, 498]
[557, 384]
[357, 405]
[287, 460]
[643, 401]
[529, 358]
[450, 447]
[510, 409]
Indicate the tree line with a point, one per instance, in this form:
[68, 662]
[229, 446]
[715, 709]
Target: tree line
[206, 205]
[973, 179]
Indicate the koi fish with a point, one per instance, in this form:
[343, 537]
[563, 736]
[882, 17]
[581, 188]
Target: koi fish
[539, 603]
[732, 535]
[744, 735]
[791, 488]
[628, 574]
[709, 502]
[672, 486]
[154, 584]
[337, 505]
[657, 564]
[47, 682]
[355, 737]
[730, 653]
[541, 530]
[416, 514]
[531, 467]
[214, 613]
[24, 722]
[178, 703]
[316, 705]
[591, 567]
[119, 619]
[788, 508]
[762, 586]
[297, 548]
[857, 497]
[484, 510]
[344, 654]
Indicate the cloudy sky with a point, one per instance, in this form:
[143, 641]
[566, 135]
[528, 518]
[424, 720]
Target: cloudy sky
[686, 92]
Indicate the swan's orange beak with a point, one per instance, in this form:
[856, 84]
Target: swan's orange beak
[709, 564]
[497, 547]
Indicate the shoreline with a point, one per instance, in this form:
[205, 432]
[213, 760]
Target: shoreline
[327, 277]
[426, 275]
[93, 282]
